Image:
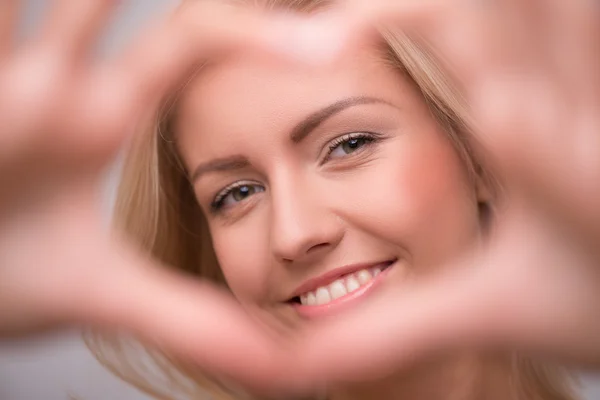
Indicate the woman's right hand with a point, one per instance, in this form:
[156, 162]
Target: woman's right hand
[64, 116]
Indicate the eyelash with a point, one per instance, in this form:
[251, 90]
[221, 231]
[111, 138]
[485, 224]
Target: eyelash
[337, 142]
[217, 204]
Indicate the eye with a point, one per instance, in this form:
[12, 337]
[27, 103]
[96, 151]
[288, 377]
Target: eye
[349, 144]
[234, 194]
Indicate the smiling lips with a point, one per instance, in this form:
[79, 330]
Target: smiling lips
[327, 292]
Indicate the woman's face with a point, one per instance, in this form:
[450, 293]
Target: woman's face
[320, 185]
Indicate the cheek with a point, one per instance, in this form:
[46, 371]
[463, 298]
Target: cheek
[243, 256]
[422, 202]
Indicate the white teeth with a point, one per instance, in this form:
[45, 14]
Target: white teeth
[311, 299]
[352, 284]
[337, 289]
[364, 276]
[323, 296]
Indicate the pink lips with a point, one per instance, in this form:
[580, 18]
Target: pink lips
[344, 301]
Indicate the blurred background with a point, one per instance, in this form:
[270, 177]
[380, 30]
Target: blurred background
[60, 367]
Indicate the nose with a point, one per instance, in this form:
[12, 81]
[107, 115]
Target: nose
[302, 226]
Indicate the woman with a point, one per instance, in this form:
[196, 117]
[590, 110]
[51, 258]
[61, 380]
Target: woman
[304, 191]
[64, 228]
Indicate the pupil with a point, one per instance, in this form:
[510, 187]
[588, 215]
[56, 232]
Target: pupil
[353, 144]
[242, 192]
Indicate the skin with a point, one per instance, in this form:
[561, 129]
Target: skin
[49, 98]
[406, 195]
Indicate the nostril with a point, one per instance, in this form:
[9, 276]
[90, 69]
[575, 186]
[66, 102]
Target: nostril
[302, 252]
[318, 247]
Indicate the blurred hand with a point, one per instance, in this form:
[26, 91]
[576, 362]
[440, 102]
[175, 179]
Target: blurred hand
[530, 71]
[63, 118]
[535, 288]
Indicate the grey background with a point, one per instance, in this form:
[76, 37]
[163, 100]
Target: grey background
[54, 368]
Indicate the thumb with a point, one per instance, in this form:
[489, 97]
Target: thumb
[402, 325]
[189, 319]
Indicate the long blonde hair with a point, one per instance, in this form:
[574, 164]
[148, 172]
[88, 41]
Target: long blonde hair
[157, 208]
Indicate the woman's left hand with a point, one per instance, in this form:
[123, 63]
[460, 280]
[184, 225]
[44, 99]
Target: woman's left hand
[530, 71]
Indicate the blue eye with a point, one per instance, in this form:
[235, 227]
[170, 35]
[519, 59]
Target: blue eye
[234, 194]
[349, 144]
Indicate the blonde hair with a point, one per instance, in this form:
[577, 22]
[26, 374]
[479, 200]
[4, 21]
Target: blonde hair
[157, 208]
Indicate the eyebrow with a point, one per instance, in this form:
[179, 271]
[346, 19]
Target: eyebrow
[220, 164]
[299, 133]
[312, 122]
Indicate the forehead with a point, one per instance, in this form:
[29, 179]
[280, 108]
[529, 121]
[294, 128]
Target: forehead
[249, 94]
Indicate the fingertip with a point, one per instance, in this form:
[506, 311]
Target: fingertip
[314, 40]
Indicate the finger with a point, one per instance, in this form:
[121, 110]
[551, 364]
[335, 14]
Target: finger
[196, 32]
[552, 105]
[564, 172]
[563, 181]
[400, 12]
[546, 149]
[73, 27]
[8, 22]
[393, 331]
[189, 320]
[128, 90]
[575, 33]
[474, 39]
